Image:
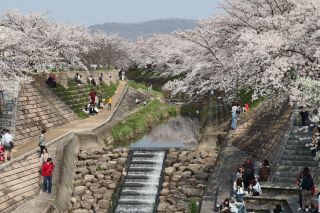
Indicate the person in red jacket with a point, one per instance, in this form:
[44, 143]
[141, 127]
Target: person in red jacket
[47, 169]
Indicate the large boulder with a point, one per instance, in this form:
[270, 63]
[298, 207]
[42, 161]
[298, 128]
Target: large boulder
[194, 168]
[104, 204]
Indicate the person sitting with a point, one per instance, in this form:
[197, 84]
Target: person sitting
[51, 81]
[225, 206]
[137, 101]
[277, 209]
[255, 187]
[264, 171]
[238, 189]
[237, 207]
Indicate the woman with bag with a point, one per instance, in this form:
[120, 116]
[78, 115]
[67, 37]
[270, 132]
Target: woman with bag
[239, 189]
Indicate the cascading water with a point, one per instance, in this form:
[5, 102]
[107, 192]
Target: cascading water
[140, 188]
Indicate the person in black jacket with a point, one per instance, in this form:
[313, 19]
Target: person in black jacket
[306, 187]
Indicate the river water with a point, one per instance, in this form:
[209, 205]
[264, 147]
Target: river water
[177, 132]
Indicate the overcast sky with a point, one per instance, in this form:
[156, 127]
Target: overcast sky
[90, 12]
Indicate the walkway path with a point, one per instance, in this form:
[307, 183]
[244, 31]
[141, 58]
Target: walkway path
[75, 126]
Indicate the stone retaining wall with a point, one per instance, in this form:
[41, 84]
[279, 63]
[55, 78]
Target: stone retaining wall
[185, 178]
[96, 178]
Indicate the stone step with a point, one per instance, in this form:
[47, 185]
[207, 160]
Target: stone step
[295, 147]
[287, 174]
[14, 172]
[23, 195]
[8, 184]
[302, 152]
[300, 137]
[296, 142]
[304, 158]
[18, 189]
[299, 163]
[285, 168]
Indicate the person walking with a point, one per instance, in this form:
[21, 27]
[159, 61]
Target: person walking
[306, 188]
[46, 173]
[92, 95]
[7, 142]
[42, 143]
[44, 156]
[234, 117]
[264, 171]
[109, 102]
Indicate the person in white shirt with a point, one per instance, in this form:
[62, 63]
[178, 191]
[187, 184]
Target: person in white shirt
[7, 141]
[44, 156]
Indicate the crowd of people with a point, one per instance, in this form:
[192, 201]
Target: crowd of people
[246, 183]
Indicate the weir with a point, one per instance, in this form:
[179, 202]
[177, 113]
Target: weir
[140, 189]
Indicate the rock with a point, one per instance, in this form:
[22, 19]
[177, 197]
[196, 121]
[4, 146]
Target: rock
[186, 174]
[116, 175]
[78, 177]
[194, 168]
[168, 162]
[171, 201]
[169, 171]
[112, 186]
[166, 178]
[100, 176]
[87, 197]
[78, 183]
[91, 162]
[191, 192]
[92, 169]
[88, 178]
[177, 165]
[165, 185]
[112, 164]
[83, 156]
[86, 205]
[182, 168]
[79, 190]
[99, 190]
[122, 161]
[119, 168]
[164, 192]
[103, 166]
[77, 205]
[162, 207]
[104, 204]
[202, 176]
[172, 156]
[73, 200]
[175, 178]
[80, 211]
[98, 196]
[108, 195]
[196, 161]
[172, 150]
[204, 154]
[183, 156]
[81, 164]
[82, 170]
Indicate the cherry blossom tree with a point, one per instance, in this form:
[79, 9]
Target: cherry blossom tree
[108, 50]
[31, 43]
[261, 45]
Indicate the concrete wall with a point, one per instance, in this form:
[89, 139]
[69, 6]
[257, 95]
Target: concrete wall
[67, 154]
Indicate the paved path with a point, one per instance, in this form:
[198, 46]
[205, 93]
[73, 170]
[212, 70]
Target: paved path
[220, 183]
[74, 126]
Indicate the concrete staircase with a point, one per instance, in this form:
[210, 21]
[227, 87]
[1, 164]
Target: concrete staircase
[296, 156]
[21, 181]
[35, 112]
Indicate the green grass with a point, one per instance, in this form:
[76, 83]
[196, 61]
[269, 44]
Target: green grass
[193, 207]
[76, 97]
[142, 121]
[144, 87]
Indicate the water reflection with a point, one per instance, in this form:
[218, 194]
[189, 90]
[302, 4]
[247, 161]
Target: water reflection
[177, 132]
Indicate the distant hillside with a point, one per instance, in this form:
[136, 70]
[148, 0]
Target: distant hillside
[132, 31]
